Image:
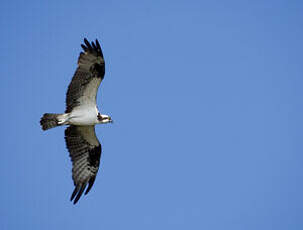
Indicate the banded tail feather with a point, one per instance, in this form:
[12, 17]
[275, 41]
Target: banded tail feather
[51, 120]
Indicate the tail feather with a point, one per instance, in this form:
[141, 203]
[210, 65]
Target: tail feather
[49, 120]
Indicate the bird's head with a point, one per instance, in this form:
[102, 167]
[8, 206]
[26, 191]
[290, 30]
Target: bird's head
[103, 118]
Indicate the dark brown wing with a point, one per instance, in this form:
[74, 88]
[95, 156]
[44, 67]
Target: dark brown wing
[87, 78]
[85, 152]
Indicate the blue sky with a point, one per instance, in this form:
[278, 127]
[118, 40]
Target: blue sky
[207, 102]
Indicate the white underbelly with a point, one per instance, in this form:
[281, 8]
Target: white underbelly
[83, 116]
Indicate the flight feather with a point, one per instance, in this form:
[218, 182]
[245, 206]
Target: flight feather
[87, 78]
[85, 153]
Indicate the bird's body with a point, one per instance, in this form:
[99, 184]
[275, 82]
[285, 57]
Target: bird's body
[82, 115]
[87, 115]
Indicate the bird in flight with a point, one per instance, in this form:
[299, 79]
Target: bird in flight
[81, 116]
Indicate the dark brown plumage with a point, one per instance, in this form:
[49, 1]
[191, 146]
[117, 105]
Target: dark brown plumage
[85, 153]
[90, 65]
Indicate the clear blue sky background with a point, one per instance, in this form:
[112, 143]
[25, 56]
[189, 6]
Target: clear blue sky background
[207, 102]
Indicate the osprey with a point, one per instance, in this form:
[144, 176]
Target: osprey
[82, 115]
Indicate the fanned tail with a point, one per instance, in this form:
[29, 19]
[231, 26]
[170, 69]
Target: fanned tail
[49, 120]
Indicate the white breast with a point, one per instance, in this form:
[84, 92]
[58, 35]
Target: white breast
[83, 115]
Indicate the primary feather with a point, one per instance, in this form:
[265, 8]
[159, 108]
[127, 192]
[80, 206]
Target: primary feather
[87, 78]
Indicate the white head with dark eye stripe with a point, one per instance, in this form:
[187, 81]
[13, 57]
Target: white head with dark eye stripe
[103, 119]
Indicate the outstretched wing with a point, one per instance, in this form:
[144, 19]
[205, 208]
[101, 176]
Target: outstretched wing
[87, 78]
[85, 152]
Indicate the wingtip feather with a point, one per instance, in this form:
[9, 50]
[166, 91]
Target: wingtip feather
[98, 44]
[93, 47]
[87, 44]
[74, 193]
[79, 193]
[90, 185]
[84, 47]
